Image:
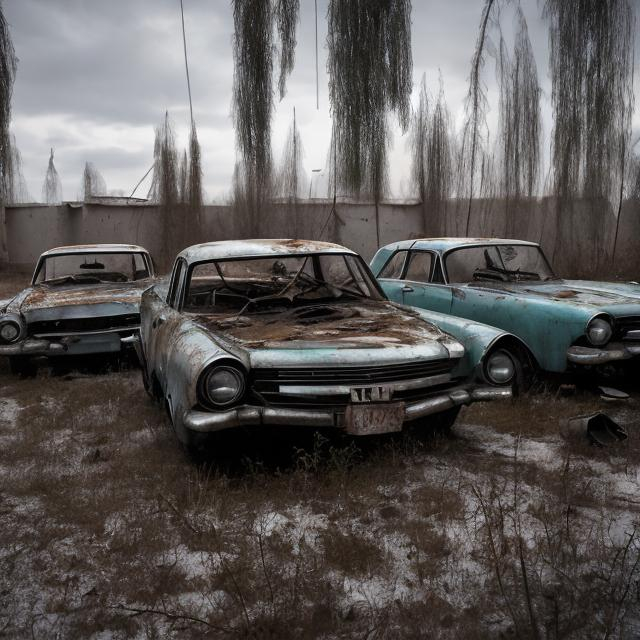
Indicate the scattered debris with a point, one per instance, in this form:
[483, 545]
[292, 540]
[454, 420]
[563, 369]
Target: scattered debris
[599, 428]
[609, 393]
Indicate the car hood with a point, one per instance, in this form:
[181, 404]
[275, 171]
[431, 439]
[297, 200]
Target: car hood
[322, 334]
[43, 301]
[618, 299]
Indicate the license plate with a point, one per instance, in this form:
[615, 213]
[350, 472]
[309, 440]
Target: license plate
[368, 419]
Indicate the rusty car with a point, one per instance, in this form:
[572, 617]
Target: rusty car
[299, 333]
[563, 325]
[83, 299]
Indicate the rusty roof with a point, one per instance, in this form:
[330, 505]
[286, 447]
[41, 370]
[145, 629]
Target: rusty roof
[96, 248]
[229, 249]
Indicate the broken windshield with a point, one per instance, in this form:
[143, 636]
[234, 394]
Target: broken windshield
[247, 284]
[506, 263]
[91, 268]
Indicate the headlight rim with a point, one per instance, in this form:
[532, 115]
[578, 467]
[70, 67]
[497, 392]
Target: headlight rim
[203, 389]
[19, 324]
[603, 319]
[505, 353]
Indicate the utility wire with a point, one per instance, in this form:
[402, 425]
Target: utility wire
[186, 63]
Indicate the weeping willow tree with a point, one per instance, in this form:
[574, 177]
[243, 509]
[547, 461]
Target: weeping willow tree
[440, 152]
[93, 183]
[292, 182]
[194, 197]
[474, 164]
[52, 187]
[164, 189]
[519, 122]
[256, 25]
[16, 190]
[418, 140]
[8, 65]
[432, 156]
[183, 171]
[370, 74]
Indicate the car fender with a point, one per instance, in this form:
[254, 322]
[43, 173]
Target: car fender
[476, 337]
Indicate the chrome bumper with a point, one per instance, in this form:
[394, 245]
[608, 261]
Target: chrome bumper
[205, 422]
[610, 353]
[78, 344]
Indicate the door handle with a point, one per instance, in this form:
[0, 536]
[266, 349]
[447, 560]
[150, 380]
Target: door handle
[407, 289]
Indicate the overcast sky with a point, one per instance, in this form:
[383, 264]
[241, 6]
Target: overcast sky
[95, 77]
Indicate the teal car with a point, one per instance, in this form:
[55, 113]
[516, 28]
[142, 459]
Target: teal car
[561, 325]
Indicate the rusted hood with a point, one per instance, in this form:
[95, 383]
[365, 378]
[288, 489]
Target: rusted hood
[576, 292]
[44, 301]
[321, 333]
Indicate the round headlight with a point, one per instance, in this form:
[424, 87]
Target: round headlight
[599, 331]
[223, 385]
[500, 367]
[9, 331]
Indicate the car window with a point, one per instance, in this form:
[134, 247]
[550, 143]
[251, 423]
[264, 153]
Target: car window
[419, 269]
[525, 259]
[176, 277]
[251, 284]
[92, 267]
[463, 263]
[393, 268]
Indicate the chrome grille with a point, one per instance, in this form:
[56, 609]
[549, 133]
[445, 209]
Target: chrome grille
[77, 325]
[626, 324]
[266, 383]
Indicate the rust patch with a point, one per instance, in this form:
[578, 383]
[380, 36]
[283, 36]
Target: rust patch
[567, 293]
[43, 296]
[372, 324]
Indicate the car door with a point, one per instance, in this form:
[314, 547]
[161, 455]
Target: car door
[422, 282]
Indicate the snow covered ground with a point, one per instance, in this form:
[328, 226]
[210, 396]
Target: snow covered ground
[107, 530]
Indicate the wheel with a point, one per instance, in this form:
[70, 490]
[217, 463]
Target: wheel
[524, 369]
[23, 366]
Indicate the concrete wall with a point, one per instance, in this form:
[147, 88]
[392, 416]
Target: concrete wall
[578, 239]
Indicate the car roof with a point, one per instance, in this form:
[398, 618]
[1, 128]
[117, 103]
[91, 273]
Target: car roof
[257, 248]
[96, 248]
[445, 244]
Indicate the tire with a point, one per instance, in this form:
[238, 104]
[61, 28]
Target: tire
[524, 366]
[23, 366]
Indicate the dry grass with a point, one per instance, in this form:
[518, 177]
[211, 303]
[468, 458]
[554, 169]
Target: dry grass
[108, 526]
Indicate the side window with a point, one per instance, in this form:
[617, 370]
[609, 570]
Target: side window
[177, 276]
[393, 268]
[419, 269]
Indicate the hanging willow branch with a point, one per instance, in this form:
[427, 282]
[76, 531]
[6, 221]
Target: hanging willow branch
[440, 157]
[431, 150]
[8, 65]
[591, 44]
[370, 69]
[520, 125]
[52, 188]
[194, 184]
[253, 47]
[418, 141]
[473, 161]
[16, 190]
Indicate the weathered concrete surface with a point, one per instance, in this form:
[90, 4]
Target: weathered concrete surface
[577, 239]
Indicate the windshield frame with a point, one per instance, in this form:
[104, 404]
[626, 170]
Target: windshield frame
[43, 258]
[374, 284]
[445, 255]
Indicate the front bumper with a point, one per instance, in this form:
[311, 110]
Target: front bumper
[610, 353]
[73, 344]
[206, 422]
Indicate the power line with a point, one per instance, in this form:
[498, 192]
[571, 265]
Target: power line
[186, 64]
